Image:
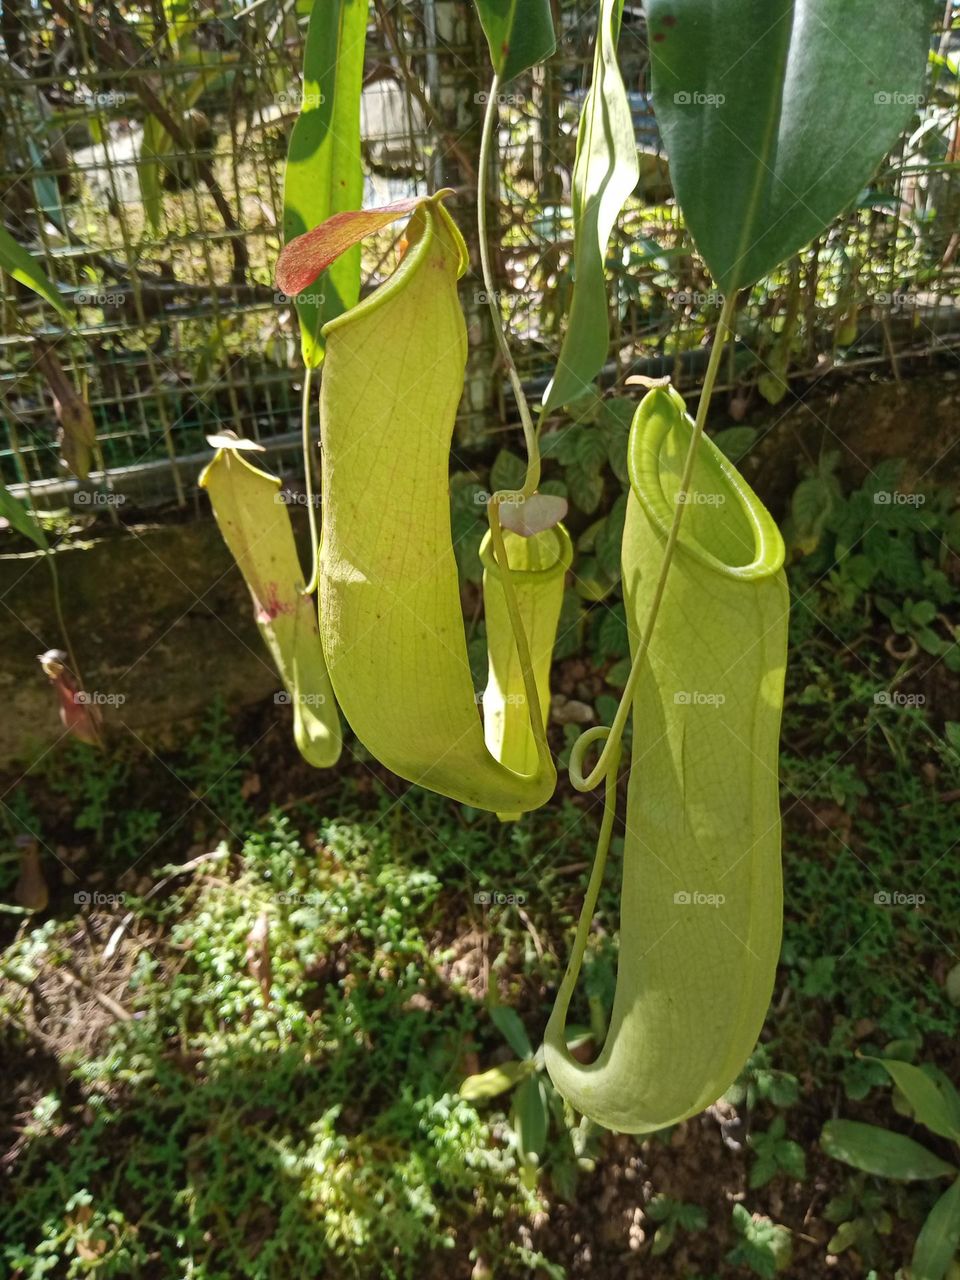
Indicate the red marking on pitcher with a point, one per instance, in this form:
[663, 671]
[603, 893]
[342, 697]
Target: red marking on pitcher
[273, 605]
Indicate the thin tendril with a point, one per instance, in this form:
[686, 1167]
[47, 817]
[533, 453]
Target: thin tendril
[532, 479]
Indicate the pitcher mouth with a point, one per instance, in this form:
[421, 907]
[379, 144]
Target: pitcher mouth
[659, 435]
[555, 542]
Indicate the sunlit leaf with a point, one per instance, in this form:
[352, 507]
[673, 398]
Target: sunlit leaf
[323, 174]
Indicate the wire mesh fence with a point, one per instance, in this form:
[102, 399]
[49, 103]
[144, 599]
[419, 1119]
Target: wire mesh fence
[142, 157]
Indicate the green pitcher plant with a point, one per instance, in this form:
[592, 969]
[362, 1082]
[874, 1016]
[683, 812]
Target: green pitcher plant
[773, 124]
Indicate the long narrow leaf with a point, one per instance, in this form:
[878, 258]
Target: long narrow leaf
[22, 265]
[605, 172]
[880, 1152]
[323, 174]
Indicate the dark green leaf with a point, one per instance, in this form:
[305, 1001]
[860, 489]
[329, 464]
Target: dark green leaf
[776, 113]
[880, 1152]
[585, 488]
[508, 471]
[519, 33]
[323, 173]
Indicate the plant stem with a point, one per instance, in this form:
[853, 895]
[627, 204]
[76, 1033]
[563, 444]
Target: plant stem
[529, 430]
[611, 750]
[308, 480]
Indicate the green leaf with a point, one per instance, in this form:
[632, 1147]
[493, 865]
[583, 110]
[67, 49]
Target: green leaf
[23, 266]
[511, 1027]
[929, 1104]
[604, 174]
[488, 1084]
[734, 442]
[530, 1116]
[939, 1237]
[880, 1152]
[519, 33]
[323, 174]
[21, 519]
[508, 471]
[585, 489]
[776, 113]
